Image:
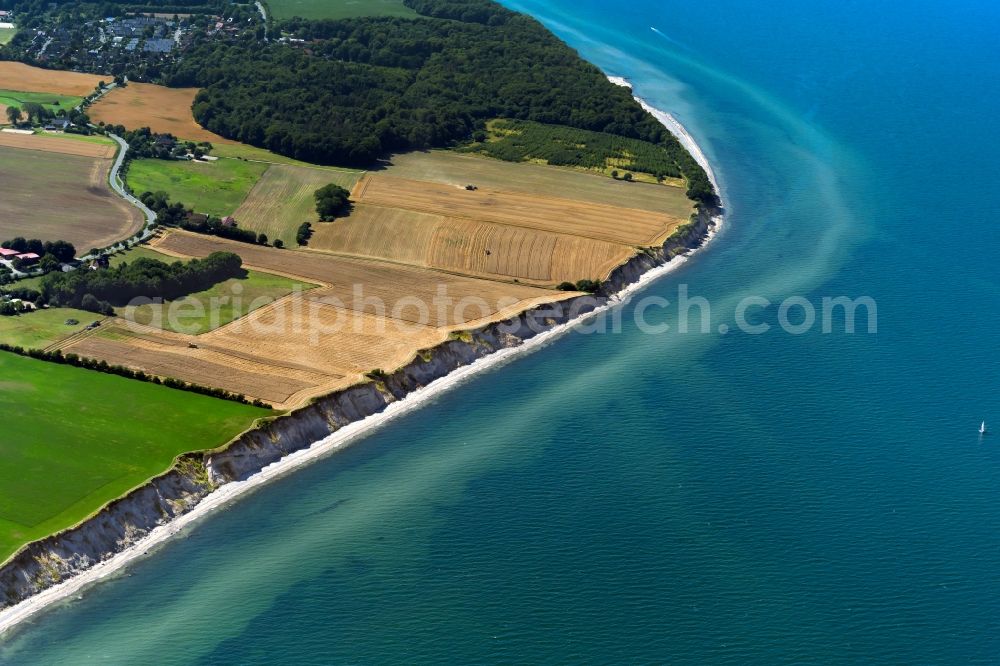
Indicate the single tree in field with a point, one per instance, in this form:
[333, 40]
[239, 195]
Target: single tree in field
[13, 114]
[262, 239]
[331, 201]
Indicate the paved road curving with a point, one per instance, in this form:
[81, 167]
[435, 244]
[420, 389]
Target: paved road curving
[114, 179]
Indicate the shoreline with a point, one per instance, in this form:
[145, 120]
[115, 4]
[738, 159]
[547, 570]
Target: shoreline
[356, 430]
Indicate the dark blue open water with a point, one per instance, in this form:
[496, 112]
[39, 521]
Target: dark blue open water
[675, 498]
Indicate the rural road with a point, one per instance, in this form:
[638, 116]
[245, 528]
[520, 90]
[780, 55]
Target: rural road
[116, 184]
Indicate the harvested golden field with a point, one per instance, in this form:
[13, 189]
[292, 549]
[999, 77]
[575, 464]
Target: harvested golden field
[406, 293]
[451, 168]
[57, 144]
[379, 232]
[25, 78]
[260, 380]
[283, 199]
[629, 226]
[479, 249]
[164, 110]
[284, 353]
[485, 249]
[306, 332]
[416, 260]
[56, 196]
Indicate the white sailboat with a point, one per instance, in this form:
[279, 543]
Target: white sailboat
[982, 428]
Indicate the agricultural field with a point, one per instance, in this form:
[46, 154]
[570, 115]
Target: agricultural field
[214, 188]
[66, 144]
[392, 285]
[56, 472]
[540, 225]
[79, 207]
[207, 310]
[311, 342]
[164, 110]
[18, 76]
[51, 101]
[629, 226]
[468, 246]
[42, 328]
[283, 199]
[443, 166]
[415, 235]
[225, 302]
[337, 9]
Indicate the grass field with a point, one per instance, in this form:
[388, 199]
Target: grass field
[41, 328]
[18, 76]
[140, 252]
[283, 199]
[242, 151]
[338, 9]
[165, 110]
[112, 434]
[79, 206]
[6, 34]
[214, 188]
[51, 101]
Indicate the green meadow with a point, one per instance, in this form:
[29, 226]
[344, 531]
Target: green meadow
[50, 101]
[41, 328]
[338, 9]
[244, 151]
[6, 34]
[214, 188]
[112, 435]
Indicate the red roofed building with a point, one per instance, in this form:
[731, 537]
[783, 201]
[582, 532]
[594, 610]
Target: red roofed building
[28, 257]
[8, 254]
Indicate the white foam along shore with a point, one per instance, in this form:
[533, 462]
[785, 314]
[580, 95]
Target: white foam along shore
[356, 431]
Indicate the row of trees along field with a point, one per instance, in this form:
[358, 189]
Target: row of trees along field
[368, 86]
[99, 290]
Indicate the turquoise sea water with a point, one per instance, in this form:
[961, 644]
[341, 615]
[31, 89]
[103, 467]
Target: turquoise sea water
[697, 498]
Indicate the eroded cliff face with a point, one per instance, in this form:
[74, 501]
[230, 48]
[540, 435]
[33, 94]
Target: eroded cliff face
[124, 522]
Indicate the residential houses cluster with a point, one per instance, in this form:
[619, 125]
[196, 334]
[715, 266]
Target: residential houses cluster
[137, 46]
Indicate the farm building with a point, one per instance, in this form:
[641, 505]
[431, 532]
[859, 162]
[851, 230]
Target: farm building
[8, 254]
[28, 257]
